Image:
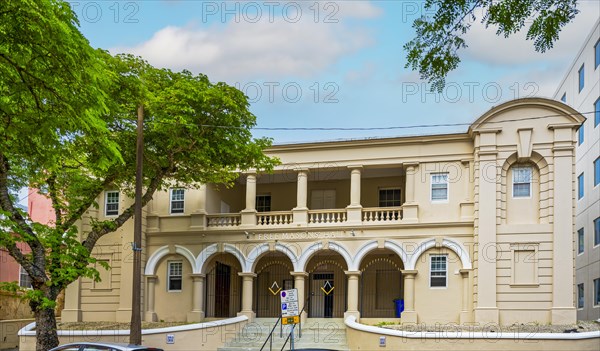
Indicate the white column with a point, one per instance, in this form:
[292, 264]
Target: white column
[355, 186]
[299, 284]
[300, 212]
[410, 208]
[249, 213]
[354, 210]
[410, 182]
[197, 313]
[465, 313]
[251, 192]
[247, 294]
[353, 277]
[150, 315]
[302, 190]
[409, 315]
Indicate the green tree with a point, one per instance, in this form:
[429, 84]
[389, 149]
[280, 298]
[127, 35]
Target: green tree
[67, 127]
[434, 50]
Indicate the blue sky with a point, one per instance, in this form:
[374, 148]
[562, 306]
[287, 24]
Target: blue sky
[330, 63]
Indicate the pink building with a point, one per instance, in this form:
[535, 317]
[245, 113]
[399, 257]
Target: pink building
[39, 208]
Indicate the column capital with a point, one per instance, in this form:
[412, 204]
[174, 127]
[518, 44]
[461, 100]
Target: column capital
[464, 272]
[197, 276]
[411, 164]
[151, 277]
[353, 167]
[250, 172]
[351, 274]
[247, 274]
[409, 273]
[302, 170]
[299, 274]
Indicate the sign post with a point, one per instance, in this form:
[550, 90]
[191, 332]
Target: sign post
[290, 313]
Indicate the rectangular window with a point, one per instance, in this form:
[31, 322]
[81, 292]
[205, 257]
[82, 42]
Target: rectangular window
[597, 171]
[597, 113]
[580, 296]
[174, 275]
[596, 291]
[597, 54]
[580, 186]
[438, 271]
[24, 278]
[581, 134]
[564, 98]
[263, 203]
[389, 197]
[111, 203]
[439, 187]
[581, 77]
[597, 231]
[177, 200]
[522, 181]
[580, 241]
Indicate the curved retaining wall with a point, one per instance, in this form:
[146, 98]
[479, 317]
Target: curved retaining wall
[365, 337]
[199, 336]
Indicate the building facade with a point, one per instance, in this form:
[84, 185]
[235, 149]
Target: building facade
[580, 88]
[468, 227]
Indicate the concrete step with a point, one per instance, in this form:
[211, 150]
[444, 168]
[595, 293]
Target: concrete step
[317, 333]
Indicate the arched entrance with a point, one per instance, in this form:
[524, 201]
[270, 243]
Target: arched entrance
[380, 284]
[223, 286]
[272, 275]
[327, 285]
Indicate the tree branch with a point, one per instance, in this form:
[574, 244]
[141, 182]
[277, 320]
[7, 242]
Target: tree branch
[106, 228]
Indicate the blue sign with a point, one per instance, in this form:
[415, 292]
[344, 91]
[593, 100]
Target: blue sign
[284, 306]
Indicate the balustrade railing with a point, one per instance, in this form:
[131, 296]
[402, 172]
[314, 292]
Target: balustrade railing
[382, 214]
[224, 220]
[274, 218]
[327, 216]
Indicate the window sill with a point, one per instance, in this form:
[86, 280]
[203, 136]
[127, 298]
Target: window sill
[174, 291]
[101, 289]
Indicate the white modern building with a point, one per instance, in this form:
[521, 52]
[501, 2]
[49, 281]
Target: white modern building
[580, 88]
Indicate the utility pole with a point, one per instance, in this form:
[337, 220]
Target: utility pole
[135, 329]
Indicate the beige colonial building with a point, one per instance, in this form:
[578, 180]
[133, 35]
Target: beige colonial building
[580, 88]
[468, 227]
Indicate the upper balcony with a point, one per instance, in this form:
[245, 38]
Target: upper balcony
[322, 196]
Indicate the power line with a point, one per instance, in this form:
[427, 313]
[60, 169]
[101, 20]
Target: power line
[373, 128]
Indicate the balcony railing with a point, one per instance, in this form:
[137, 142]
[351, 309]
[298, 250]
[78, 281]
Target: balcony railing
[224, 220]
[381, 214]
[274, 218]
[327, 216]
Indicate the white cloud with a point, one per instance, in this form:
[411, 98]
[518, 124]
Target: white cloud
[265, 49]
[486, 46]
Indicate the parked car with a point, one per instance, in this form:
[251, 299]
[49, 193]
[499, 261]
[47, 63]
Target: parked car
[103, 346]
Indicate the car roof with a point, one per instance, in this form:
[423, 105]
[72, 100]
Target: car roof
[111, 344]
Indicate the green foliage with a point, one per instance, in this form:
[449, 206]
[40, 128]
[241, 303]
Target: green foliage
[68, 117]
[434, 50]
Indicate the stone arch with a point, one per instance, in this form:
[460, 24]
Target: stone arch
[310, 251]
[455, 246]
[257, 252]
[205, 255]
[157, 255]
[373, 245]
[540, 164]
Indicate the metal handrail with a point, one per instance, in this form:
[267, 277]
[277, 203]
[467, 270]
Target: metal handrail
[294, 326]
[271, 335]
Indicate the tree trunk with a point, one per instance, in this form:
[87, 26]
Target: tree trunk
[45, 329]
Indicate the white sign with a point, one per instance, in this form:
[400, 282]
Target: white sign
[289, 303]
